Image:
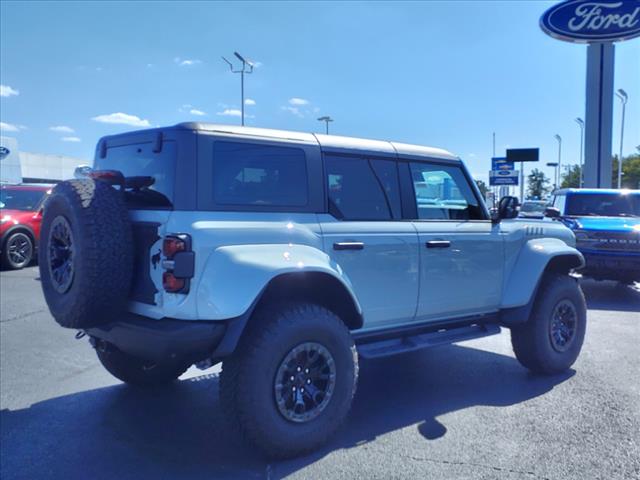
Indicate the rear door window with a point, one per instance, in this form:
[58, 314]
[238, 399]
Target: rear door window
[256, 174]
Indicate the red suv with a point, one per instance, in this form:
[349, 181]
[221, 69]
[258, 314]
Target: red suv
[20, 217]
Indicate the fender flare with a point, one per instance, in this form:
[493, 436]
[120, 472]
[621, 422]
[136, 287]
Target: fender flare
[236, 278]
[537, 257]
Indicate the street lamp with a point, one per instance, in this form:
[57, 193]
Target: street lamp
[580, 122]
[622, 95]
[555, 173]
[326, 119]
[559, 139]
[247, 67]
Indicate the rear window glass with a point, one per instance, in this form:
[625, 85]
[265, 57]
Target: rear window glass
[140, 160]
[255, 174]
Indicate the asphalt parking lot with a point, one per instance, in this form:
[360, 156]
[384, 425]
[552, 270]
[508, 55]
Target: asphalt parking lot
[463, 411]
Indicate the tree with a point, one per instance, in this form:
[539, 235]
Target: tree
[630, 171]
[483, 188]
[538, 184]
[571, 177]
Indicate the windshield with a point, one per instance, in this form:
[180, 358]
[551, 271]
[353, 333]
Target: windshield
[20, 199]
[603, 205]
[530, 207]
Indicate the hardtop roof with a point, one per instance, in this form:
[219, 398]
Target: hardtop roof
[325, 141]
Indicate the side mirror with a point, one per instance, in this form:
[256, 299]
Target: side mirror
[508, 207]
[552, 212]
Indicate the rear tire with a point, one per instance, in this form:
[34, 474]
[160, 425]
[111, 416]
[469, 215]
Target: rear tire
[135, 371]
[17, 251]
[551, 340]
[299, 342]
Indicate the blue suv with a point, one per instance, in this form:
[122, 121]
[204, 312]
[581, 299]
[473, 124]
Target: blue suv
[606, 223]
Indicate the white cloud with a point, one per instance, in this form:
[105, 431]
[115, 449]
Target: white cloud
[8, 127]
[249, 101]
[122, 119]
[7, 91]
[195, 111]
[71, 139]
[298, 101]
[186, 62]
[293, 110]
[230, 112]
[62, 129]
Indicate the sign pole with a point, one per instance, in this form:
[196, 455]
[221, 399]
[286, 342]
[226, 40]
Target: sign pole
[599, 115]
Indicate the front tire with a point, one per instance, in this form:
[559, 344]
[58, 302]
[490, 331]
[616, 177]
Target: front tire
[290, 382]
[18, 251]
[551, 340]
[135, 371]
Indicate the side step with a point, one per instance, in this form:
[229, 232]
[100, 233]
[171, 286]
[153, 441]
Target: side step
[384, 348]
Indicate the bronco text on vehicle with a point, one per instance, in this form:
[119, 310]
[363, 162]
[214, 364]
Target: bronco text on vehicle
[288, 256]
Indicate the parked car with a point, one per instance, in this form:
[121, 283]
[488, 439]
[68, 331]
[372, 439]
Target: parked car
[290, 256]
[606, 223]
[20, 219]
[532, 209]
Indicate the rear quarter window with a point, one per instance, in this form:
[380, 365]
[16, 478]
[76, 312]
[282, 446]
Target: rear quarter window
[248, 174]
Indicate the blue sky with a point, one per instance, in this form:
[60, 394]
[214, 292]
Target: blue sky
[445, 74]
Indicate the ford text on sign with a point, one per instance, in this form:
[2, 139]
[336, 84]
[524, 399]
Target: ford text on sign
[586, 21]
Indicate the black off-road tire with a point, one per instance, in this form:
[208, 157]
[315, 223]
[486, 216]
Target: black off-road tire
[100, 252]
[17, 240]
[135, 371]
[532, 342]
[247, 383]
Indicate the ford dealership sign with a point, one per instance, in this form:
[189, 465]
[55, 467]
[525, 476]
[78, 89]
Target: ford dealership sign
[586, 21]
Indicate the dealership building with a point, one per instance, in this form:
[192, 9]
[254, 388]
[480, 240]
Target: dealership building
[27, 167]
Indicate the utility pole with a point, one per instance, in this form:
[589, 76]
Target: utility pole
[580, 122]
[326, 119]
[622, 95]
[247, 68]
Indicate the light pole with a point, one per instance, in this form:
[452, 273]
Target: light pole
[326, 119]
[555, 173]
[244, 70]
[622, 95]
[580, 122]
[559, 139]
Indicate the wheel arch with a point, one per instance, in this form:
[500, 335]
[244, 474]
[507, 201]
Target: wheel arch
[20, 228]
[317, 287]
[538, 259]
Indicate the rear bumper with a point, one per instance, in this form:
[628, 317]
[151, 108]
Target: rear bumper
[164, 340]
[611, 265]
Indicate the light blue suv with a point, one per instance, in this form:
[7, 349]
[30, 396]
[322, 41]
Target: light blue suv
[290, 256]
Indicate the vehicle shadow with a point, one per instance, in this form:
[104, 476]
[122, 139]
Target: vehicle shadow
[606, 295]
[180, 431]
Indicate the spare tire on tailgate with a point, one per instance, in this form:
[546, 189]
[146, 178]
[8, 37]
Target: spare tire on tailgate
[86, 253]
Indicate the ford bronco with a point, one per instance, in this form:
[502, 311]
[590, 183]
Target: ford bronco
[606, 223]
[289, 257]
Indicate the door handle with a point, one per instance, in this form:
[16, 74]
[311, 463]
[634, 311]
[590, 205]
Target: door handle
[348, 246]
[438, 244]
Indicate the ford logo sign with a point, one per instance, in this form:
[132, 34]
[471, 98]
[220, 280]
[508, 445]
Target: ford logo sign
[585, 21]
[4, 152]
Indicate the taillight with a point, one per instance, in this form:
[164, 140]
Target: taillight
[173, 245]
[171, 283]
[179, 263]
